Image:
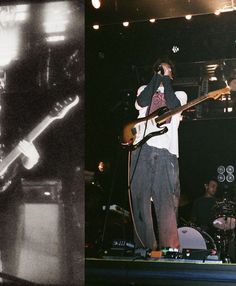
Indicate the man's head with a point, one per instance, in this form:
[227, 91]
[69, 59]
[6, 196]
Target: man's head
[166, 61]
[210, 188]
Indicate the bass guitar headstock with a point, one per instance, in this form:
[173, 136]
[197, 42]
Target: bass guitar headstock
[60, 109]
[217, 93]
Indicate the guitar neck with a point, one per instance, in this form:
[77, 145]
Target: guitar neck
[181, 108]
[39, 128]
[15, 153]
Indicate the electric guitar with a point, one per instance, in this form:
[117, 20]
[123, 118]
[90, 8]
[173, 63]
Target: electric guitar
[58, 112]
[137, 132]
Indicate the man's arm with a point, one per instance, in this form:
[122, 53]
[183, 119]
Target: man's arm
[171, 99]
[144, 99]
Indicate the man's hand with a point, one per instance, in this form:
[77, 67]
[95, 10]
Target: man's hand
[167, 70]
[31, 155]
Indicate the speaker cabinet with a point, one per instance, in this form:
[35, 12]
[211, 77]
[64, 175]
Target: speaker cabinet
[41, 243]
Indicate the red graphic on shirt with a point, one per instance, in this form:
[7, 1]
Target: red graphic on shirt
[158, 101]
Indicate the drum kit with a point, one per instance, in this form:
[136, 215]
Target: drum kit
[224, 222]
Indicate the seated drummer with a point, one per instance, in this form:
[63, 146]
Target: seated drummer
[203, 207]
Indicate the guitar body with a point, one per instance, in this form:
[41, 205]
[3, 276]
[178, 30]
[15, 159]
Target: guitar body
[133, 131]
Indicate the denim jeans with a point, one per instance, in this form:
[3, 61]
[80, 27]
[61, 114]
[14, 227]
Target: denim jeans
[155, 175]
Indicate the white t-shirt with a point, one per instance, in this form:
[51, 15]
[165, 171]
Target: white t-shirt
[168, 140]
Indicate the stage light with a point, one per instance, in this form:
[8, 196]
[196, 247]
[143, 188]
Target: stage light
[55, 38]
[55, 26]
[96, 4]
[152, 20]
[223, 98]
[188, 17]
[9, 45]
[175, 49]
[101, 166]
[125, 24]
[47, 193]
[228, 109]
[21, 12]
[9, 15]
[56, 17]
[213, 78]
[22, 8]
[96, 27]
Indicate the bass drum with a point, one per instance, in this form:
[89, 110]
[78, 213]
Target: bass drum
[191, 238]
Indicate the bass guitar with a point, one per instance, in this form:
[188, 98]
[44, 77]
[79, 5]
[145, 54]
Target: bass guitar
[59, 110]
[135, 133]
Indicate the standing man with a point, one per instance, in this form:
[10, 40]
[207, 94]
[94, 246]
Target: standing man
[154, 166]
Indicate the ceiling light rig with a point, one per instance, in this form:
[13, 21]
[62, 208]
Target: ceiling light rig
[125, 23]
[153, 20]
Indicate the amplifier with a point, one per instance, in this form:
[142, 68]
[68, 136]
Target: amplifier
[42, 191]
[42, 245]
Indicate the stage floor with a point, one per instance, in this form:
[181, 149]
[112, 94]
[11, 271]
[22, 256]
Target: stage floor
[132, 271]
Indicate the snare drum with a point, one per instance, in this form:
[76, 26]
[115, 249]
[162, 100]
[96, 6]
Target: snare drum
[191, 238]
[224, 215]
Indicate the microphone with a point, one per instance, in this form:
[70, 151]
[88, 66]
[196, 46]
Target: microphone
[160, 69]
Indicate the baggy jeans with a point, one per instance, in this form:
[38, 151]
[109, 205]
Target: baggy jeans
[156, 176]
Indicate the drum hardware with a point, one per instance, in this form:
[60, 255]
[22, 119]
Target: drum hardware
[224, 220]
[223, 239]
[224, 214]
